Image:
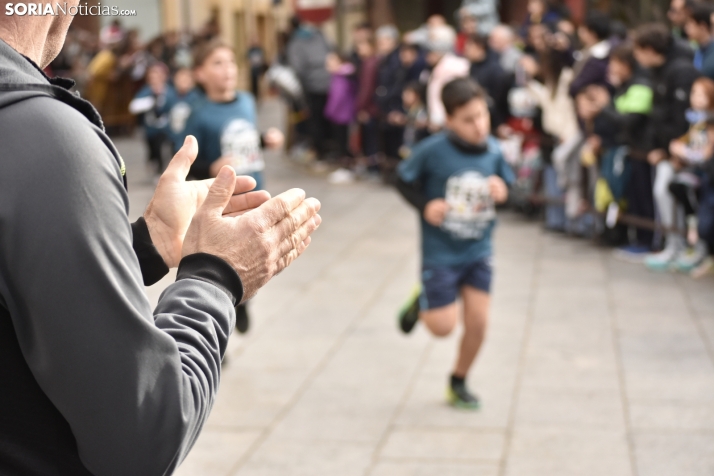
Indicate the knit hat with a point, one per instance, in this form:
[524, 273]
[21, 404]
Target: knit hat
[441, 39]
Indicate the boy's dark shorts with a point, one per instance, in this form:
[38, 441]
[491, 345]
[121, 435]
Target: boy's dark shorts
[441, 284]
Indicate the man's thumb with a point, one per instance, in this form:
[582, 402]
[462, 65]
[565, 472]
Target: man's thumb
[180, 164]
[221, 191]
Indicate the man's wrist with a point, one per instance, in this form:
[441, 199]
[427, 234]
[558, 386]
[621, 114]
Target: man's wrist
[162, 240]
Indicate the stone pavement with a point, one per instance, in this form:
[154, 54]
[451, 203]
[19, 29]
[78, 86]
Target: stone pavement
[591, 366]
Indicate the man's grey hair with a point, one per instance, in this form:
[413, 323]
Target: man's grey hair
[387, 31]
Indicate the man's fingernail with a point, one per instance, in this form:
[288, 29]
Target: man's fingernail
[317, 219]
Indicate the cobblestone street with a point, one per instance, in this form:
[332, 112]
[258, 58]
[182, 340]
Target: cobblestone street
[591, 367]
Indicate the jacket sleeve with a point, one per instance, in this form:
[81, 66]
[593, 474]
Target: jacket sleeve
[152, 265]
[134, 386]
[674, 123]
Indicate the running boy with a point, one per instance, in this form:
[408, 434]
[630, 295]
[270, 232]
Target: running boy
[455, 178]
[224, 122]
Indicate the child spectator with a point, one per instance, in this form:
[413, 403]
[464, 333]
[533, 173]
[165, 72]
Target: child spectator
[153, 102]
[415, 120]
[367, 110]
[183, 102]
[454, 178]
[690, 155]
[340, 110]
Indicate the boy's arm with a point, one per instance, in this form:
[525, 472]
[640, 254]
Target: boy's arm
[409, 175]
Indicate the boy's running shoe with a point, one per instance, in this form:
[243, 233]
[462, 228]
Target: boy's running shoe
[409, 314]
[242, 318]
[706, 267]
[459, 396]
[689, 261]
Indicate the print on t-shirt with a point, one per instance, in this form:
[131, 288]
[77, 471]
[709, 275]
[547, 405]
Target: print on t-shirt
[241, 140]
[471, 208]
[178, 117]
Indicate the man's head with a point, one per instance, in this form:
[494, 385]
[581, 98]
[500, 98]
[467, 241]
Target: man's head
[652, 44]
[466, 110]
[468, 23]
[699, 24]
[677, 12]
[441, 41]
[621, 66]
[537, 8]
[501, 38]
[387, 39]
[476, 48]
[595, 29]
[39, 37]
[215, 69]
[362, 32]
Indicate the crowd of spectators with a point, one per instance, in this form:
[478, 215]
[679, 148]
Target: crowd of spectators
[610, 130]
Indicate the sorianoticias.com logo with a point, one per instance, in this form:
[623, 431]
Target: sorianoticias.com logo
[55, 9]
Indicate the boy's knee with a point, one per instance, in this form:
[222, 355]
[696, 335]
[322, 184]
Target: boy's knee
[441, 329]
[440, 323]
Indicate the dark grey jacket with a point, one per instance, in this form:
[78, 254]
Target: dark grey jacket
[93, 381]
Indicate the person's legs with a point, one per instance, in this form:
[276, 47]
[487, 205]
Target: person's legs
[640, 200]
[663, 198]
[674, 243]
[476, 306]
[317, 123]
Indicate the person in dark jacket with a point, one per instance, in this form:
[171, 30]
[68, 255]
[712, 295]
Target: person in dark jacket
[487, 72]
[623, 122]
[672, 77]
[387, 92]
[591, 67]
[95, 381]
[699, 29]
[307, 52]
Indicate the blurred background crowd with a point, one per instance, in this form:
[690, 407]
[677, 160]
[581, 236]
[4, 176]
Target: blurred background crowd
[607, 119]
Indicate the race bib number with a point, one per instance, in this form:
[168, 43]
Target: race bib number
[241, 141]
[471, 208]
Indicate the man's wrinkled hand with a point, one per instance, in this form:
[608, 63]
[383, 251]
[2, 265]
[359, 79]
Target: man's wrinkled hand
[176, 200]
[259, 243]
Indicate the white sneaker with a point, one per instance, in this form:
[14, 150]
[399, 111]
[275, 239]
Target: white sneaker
[341, 176]
[667, 257]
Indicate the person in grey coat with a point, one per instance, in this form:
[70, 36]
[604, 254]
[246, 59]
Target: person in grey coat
[95, 382]
[307, 54]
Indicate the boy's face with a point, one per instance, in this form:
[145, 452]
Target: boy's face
[219, 73]
[618, 72]
[408, 56]
[156, 78]
[647, 57]
[409, 98]
[183, 80]
[698, 98]
[471, 122]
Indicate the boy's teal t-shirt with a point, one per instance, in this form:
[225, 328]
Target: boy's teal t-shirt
[180, 108]
[448, 171]
[227, 129]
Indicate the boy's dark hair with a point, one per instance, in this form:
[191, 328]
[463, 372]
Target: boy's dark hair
[459, 92]
[418, 89]
[701, 14]
[411, 47]
[598, 23]
[655, 36]
[624, 54]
